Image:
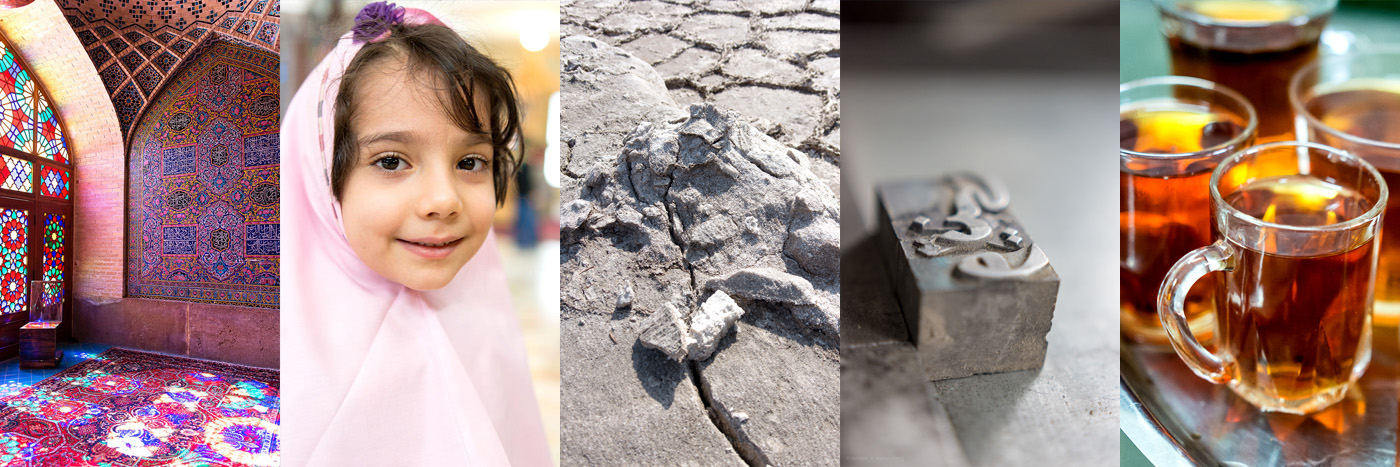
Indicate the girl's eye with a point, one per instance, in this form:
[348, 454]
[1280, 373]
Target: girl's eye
[471, 164]
[390, 163]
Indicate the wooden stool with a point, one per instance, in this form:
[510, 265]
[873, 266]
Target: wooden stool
[38, 345]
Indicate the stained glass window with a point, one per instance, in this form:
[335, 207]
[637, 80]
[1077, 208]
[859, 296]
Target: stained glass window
[16, 103]
[17, 174]
[53, 253]
[53, 182]
[49, 137]
[14, 255]
[27, 121]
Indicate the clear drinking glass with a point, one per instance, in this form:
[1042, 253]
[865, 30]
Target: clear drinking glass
[1173, 130]
[1295, 227]
[1252, 46]
[1352, 103]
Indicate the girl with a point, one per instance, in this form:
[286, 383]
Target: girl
[399, 343]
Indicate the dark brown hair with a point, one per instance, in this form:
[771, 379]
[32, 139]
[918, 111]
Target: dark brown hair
[460, 70]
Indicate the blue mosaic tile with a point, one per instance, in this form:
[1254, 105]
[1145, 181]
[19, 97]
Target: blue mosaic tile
[149, 48]
[165, 61]
[112, 77]
[87, 38]
[182, 46]
[263, 239]
[179, 240]
[132, 60]
[128, 102]
[261, 150]
[99, 56]
[178, 161]
[148, 79]
[117, 45]
[268, 33]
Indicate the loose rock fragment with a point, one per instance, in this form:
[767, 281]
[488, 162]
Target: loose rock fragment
[574, 214]
[816, 247]
[770, 285]
[715, 318]
[624, 299]
[665, 330]
[668, 331]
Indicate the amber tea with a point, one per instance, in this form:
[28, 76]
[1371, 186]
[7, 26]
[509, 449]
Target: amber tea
[1295, 325]
[1164, 208]
[1295, 226]
[1367, 113]
[1253, 47]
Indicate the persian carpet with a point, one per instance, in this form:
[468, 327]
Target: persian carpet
[129, 408]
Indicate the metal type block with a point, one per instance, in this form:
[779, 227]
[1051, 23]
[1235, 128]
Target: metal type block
[976, 292]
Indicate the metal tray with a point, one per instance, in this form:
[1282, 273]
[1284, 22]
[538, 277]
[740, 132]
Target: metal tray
[1175, 417]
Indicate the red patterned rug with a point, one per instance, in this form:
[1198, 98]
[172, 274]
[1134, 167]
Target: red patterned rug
[129, 408]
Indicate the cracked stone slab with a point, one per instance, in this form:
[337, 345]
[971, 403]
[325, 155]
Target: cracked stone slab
[653, 48]
[789, 45]
[717, 30]
[754, 65]
[801, 43]
[627, 405]
[691, 61]
[638, 16]
[804, 22]
[799, 114]
[610, 92]
[785, 384]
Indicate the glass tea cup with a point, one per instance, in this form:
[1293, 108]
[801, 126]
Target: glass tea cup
[1352, 102]
[1295, 227]
[1252, 46]
[1173, 131]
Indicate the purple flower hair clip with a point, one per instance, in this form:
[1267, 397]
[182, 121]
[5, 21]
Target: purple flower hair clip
[373, 22]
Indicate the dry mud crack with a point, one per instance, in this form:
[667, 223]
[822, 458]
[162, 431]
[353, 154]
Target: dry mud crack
[667, 204]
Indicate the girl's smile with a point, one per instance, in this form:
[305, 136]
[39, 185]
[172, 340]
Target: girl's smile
[431, 249]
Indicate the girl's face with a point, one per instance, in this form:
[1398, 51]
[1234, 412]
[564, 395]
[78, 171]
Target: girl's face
[419, 200]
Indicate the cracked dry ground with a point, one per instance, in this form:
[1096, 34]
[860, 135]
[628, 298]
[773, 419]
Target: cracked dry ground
[776, 62]
[666, 227]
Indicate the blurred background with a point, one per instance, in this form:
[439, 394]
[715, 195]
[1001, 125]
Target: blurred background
[1022, 90]
[523, 37]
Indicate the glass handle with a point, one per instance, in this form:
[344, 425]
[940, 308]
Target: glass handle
[1171, 307]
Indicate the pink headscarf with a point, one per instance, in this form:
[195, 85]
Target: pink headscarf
[375, 373]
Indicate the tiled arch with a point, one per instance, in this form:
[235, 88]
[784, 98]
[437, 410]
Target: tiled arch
[137, 45]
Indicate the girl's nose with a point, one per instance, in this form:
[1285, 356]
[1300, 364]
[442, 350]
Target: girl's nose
[439, 197]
